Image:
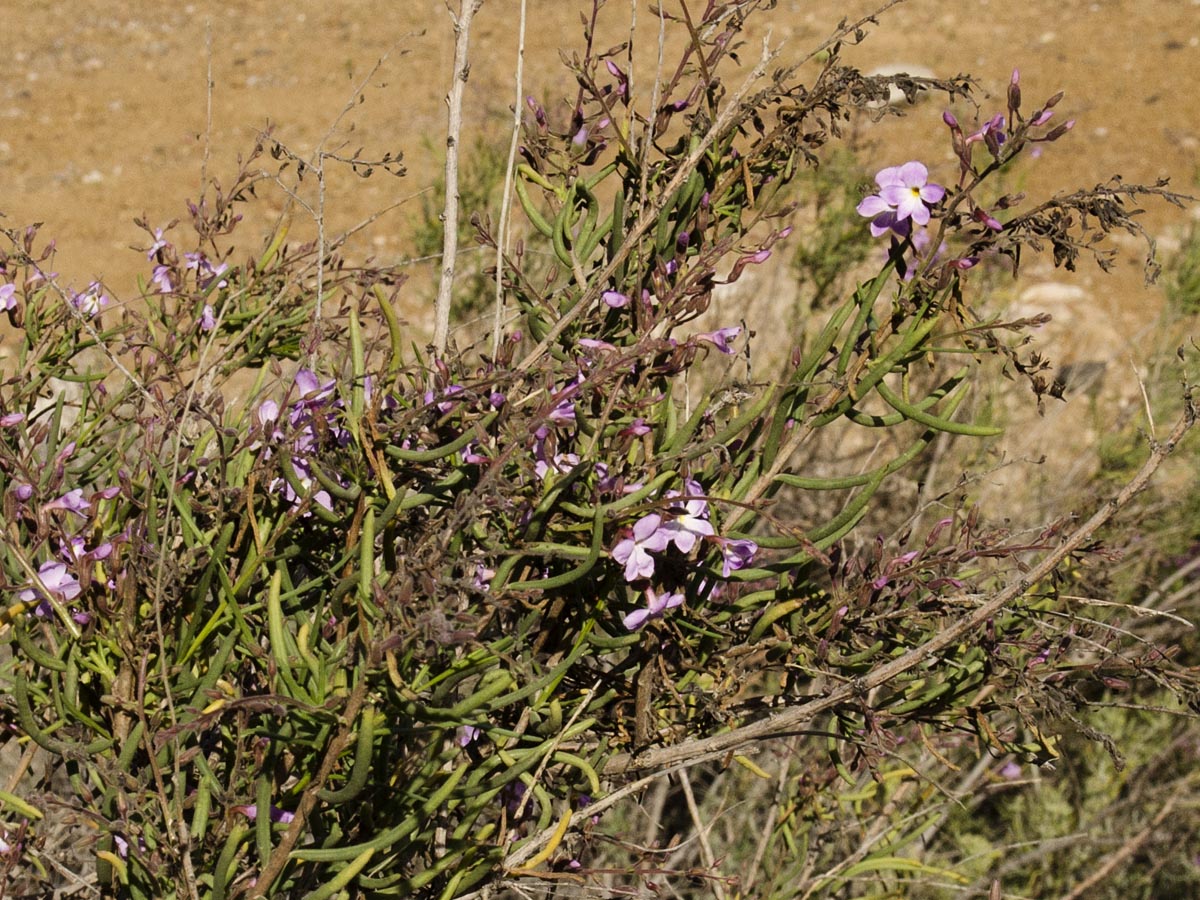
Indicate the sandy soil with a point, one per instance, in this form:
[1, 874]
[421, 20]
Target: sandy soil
[103, 102]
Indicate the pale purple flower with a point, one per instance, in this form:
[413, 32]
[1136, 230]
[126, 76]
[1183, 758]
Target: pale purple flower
[8, 297]
[593, 344]
[467, 735]
[91, 302]
[634, 551]
[57, 582]
[720, 338]
[563, 412]
[656, 606]
[737, 553]
[473, 454]
[208, 320]
[615, 299]
[11, 419]
[304, 478]
[160, 243]
[267, 413]
[206, 272]
[690, 521]
[905, 194]
[162, 277]
[444, 405]
[72, 501]
[483, 578]
[310, 389]
[907, 189]
[561, 463]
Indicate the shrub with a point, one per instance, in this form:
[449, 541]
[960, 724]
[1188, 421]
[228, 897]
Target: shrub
[397, 621]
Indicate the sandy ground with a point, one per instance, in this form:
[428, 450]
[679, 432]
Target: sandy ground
[103, 102]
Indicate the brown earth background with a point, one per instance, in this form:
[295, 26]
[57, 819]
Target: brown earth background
[104, 116]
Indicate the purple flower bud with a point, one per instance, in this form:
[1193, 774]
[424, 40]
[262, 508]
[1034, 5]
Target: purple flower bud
[949, 119]
[11, 419]
[615, 299]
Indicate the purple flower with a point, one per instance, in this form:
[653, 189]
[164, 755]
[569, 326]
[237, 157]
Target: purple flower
[905, 193]
[720, 338]
[208, 321]
[690, 523]
[57, 582]
[737, 553]
[312, 392]
[593, 344]
[636, 428]
[72, 501]
[483, 578]
[656, 606]
[160, 243]
[444, 405]
[8, 297]
[91, 302]
[467, 735]
[305, 479]
[162, 277]
[11, 419]
[615, 299]
[561, 463]
[634, 551]
[206, 272]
